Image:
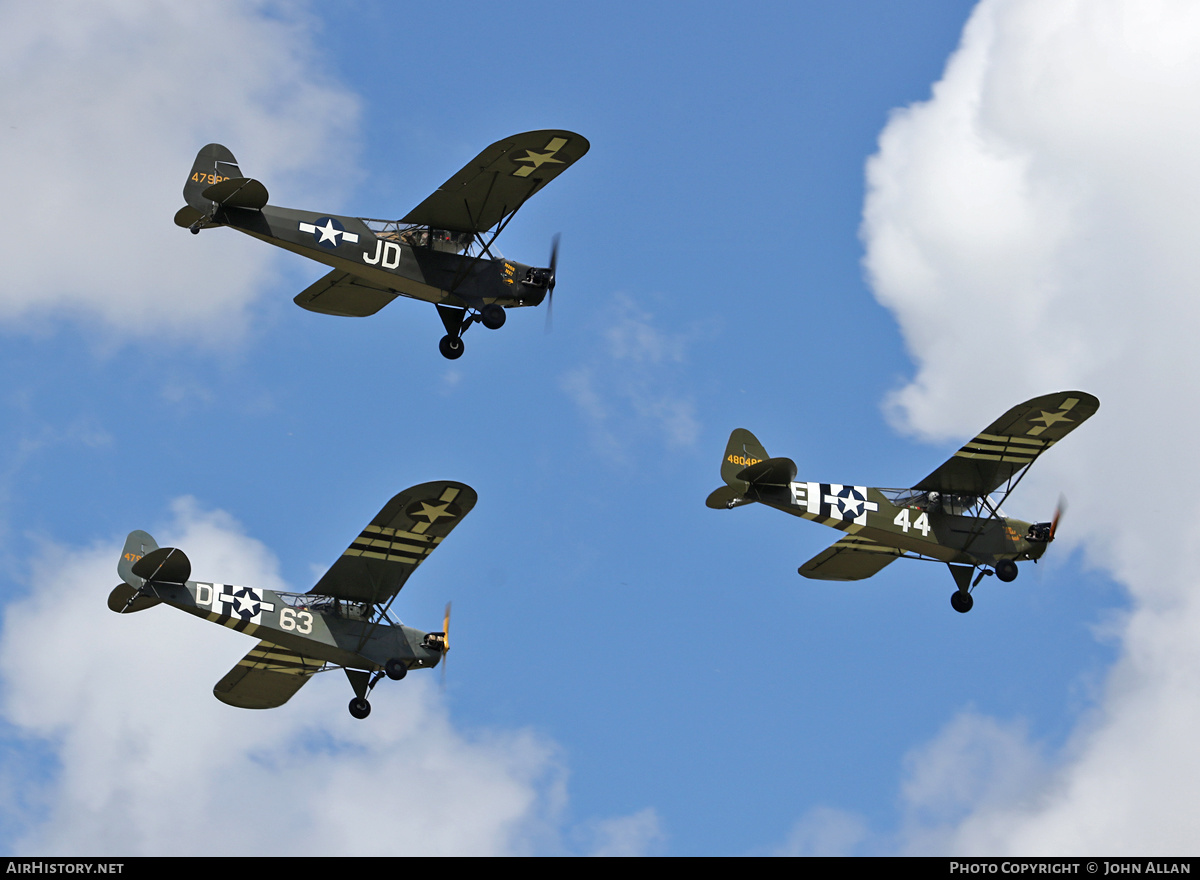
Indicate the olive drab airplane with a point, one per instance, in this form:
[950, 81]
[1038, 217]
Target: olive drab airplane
[950, 516]
[440, 252]
[341, 623]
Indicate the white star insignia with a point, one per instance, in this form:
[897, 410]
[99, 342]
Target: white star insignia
[434, 512]
[329, 232]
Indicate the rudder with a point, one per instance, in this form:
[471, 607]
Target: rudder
[127, 597]
[742, 451]
[137, 545]
[214, 164]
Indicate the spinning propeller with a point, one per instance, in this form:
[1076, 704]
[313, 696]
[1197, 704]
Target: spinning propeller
[1058, 512]
[445, 642]
[550, 283]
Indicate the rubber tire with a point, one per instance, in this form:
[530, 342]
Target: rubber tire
[1006, 570]
[451, 347]
[961, 602]
[493, 316]
[395, 669]
[360, 708]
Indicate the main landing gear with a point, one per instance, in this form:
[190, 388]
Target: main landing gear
[364, 682]
[960, 599]
[457, 321]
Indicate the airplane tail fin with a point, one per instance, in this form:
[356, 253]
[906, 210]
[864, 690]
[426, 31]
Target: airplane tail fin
[137, 545]
[215, 179]
[126, 597]
[742, 450]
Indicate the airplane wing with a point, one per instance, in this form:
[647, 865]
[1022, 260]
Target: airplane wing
[343, 294]
[498, 181]
[1011, 443]
[850, 559]
[266, 677]
[397, 540]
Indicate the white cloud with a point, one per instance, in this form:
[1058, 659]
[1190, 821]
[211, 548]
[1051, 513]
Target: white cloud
[137, 757]
[1033, 228]
[109, 103]
[629, 389]
[823, 831]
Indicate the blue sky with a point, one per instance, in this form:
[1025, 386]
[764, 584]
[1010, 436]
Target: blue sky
[782, 225]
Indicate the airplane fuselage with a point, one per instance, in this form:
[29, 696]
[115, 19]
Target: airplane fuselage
[929, 530]
[332, 633]
[415, 268]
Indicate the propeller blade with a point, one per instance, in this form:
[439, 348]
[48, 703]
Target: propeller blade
[552, 282]
[445, 643]
[1058, 512]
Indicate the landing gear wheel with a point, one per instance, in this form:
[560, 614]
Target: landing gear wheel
[493, 316]
[1006, 570]
[395, 669]
[360, 708]
[961, 602]
[451, 347]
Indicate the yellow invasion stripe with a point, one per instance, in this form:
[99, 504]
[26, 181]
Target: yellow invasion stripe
[235, 622]
[1000, 447]
[386, 541]
[450, 494]
[1015, 459]
[399, 533]
[1007, 438]
[390, 557]
[385, 544]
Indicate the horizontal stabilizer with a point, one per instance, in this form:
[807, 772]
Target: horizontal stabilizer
[724, 498]
[772, 472]
[125, 599]
[850, 559]
[187, 215]
[166, 565]
[238, 192]
[266, 677]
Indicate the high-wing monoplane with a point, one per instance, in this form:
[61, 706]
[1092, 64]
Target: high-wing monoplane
[950, 516]
[343, 622]
[440, 252]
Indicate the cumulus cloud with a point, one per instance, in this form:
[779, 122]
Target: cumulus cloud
[109, 103]
[630, 388]
[1032, 227]
[121, 748]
